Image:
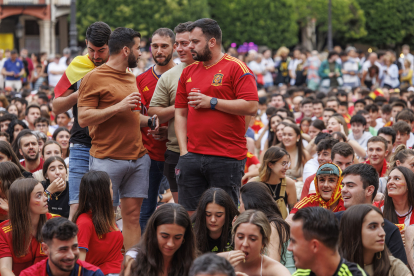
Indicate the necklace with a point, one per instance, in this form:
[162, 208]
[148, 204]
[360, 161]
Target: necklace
[273, 191]
[57, 196]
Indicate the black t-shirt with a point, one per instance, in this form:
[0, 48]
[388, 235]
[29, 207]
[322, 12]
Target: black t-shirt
[215, 247]
[61, 205]
[345, 268]
[79, 135]
[393, 238]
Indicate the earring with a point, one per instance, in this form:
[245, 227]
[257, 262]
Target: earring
[379, 257]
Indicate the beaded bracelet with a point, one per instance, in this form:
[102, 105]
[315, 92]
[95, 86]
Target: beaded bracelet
[47, 194]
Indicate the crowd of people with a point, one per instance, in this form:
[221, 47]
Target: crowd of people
[176, 158]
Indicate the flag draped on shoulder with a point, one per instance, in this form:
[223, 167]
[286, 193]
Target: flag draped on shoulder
[77, 69]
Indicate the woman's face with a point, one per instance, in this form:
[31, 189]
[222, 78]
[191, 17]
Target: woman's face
[313, 131]
[409, 163]
[17, 129]
[13, 110]
[326, 185]
[38, 201]
[249, 240]
[280, 167]
[372, 232]
[274, 122]
[304, 126]
[215, 217]
[289, 137]
[397, 185]
[279, 131]
[4, 158]
[52, 150]
[170, 238]
[56, 170]
[63, 139]
[333, 125]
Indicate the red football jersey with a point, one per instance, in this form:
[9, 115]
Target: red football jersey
[34, 255]
[103, 251]
[213, 132]
[146, 83]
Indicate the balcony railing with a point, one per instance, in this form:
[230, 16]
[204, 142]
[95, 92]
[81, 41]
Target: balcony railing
[22, 2]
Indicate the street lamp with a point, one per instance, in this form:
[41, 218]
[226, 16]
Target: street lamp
[330, 43]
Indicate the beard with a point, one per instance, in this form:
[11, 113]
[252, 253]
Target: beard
[132, 61]
[166, 60]
[29, 158]
[59, 266]
[206, 55]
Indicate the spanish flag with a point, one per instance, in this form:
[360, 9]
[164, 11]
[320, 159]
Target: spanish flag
[77, 69]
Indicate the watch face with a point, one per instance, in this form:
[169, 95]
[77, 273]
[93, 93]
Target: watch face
[213, 101]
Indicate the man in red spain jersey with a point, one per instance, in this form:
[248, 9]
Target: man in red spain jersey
[163, 103]
[162, 48]
[214, 95]
[60, 244]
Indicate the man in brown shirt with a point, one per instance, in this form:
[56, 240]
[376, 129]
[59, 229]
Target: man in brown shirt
[107, 96]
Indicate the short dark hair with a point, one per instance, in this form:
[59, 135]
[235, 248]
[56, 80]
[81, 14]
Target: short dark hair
[210, 263]
[386, 109]
[343, 104]
[332, 53]
[329, 109]
[320, 224]
[318, 101]
[41, 120]
[23, 133]
[306, 101]
[120, 38]
[21, 100]
[326, 144]
[209, 27]
[182, 27]
[367, 173]
[319, 124]
[320, 136]
[401, 127]
[361, 101]
[343, 149]
[98, 33]
[59, 228]
[358, 119]
[32, 106]
[406, 115]
[398, 103]
[5, 134]
[374, 139]
[388, 131]
[8, 117]
[372, 108]
[332, 99]
[165, 32]
[362, 112]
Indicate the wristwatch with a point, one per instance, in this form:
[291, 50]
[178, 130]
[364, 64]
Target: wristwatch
[149, 122]
[213, 103]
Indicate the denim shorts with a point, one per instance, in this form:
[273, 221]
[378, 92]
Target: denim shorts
[130, 178]
[195, 173]
[78, 166]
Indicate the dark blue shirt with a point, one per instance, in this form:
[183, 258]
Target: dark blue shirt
[15, 67]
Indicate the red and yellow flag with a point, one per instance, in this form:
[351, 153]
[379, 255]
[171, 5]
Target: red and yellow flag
[77, 69]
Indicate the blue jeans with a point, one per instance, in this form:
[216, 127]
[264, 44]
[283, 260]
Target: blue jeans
[78, 166]
[149, 204]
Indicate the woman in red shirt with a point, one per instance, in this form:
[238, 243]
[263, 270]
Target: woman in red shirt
[20, 236]
[399, 197]
[100, 241]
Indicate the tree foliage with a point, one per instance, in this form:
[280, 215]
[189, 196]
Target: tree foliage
[389, 22]
[144, 16]
[348, 20]
[265, 22]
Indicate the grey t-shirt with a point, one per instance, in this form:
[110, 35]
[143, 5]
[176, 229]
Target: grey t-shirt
[164, 96]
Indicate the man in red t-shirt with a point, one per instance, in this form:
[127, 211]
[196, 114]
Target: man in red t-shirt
[214, 95]
[162, 48]
[29, 148]
[377, 151]
[60, 244]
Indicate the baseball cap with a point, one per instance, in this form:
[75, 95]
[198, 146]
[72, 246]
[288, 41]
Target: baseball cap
[334, 170]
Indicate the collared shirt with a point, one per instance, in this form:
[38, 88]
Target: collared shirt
[81, 269]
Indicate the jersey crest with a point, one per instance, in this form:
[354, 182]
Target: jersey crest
[217, 80]
[189, 80]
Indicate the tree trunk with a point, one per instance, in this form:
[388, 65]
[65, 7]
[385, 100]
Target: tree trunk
[308, 34]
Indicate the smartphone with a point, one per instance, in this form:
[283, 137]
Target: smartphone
[153, 123]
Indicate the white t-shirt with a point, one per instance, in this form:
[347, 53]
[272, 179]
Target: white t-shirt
[363, 141]
[132, 253]
[410, 142]
[54, 79]
[292, 66]
[380, 124]
[367, 64]
[268, 63]
[310, 167]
